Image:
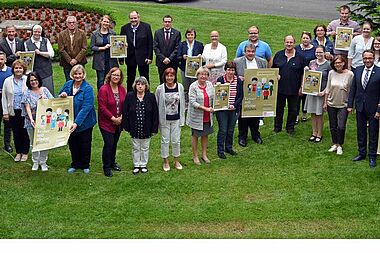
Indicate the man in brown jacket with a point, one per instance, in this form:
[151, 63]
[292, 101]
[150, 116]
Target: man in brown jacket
[72, 45]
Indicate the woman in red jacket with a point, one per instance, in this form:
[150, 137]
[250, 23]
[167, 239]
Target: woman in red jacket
[111, 97]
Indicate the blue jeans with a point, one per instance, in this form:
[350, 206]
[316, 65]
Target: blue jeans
[227, 121]
[100, 75]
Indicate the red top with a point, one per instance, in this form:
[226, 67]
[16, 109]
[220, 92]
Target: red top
[107, 107]
[206, 103]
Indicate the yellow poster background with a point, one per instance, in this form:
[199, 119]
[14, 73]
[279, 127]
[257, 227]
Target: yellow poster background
[343, 38]
[311, 82]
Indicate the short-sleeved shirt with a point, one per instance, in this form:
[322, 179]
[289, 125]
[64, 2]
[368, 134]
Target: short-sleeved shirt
[31, 98]
[4, 73]
[262, 49]
[337, 23]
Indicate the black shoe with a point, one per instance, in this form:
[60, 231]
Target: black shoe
[116, 167]
[8, 148]
[372, 162]
[358, 158]
[277, 130]
[231, 152]
[242, 143]
[222, 156]
[290, 131]
[258, 140]
[108, 174]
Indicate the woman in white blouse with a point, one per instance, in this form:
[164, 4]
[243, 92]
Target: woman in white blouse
[215, 56]
[358, 45]
[376, 48]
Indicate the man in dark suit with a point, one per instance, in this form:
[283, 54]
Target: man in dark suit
[11, 45]
[165, 45]
[72, 44]
[140, 48]
[365, 91]
[249, 61]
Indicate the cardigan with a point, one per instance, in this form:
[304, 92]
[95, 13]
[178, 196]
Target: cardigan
[98, 61]
[194, 114]
[8, 94]
[107, 106]
[160, 98]
[130, 118]
[84, 109]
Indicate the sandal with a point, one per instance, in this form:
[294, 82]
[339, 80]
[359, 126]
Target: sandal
[312, 138]
[318, 139]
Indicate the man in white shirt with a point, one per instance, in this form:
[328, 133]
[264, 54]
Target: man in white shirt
[11, 45]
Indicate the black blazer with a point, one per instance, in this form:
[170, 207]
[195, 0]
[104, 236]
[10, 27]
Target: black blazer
[369, 98]
[143, 48]
[129, 114]
[182, 50]
[8, 51]
[170, 51]
[239, 92]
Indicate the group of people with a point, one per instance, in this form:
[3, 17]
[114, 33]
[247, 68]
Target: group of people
[345, 80]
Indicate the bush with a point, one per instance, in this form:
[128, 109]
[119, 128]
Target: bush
[368, 10]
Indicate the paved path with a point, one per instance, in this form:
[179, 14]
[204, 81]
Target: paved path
[314, 9]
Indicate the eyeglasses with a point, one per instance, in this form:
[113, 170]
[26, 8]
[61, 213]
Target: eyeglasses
[33, 81]
[253, 33]
[115, 75]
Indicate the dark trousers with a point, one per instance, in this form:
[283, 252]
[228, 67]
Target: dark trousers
[252, 124]
[109, 149]
[66, 71]
[301, 100]
[20, 135]
[226, 121]
[292, 111]
[7, 127]
[337, 121]
[80, 148]
[162, 69]
[131, 74]
[361, 127]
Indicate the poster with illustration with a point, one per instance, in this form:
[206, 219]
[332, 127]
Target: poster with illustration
[28, 59]
[53, 121]
[221, 96]
[343, 38]
[312, 82]
[260, 92]
[118, 46]
[192, 65]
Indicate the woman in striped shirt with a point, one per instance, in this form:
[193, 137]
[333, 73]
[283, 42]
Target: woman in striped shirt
[227, 118]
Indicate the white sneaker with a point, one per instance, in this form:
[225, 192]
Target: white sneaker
[261, 122]
[333, 148]
[44, 167]
[35, 167]
[339, 151]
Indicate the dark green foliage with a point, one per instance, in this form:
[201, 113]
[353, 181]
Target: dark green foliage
[367, 11]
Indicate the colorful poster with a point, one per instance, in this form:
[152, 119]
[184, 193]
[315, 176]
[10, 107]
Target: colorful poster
[221, 96]
[28, 59]
[311, 82]
[260, 92]
[118, 46]
[53, 121]
[343, 38]
[192, 65]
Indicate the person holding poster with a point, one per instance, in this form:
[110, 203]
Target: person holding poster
[100, 45]
[11, 45]
[43, 52]
[343, 21]
[215, 56]
[189, 47]
[199, 115]
[170, 97]
[111, 98]
[336, 95]
[358, 45]
[84, 119]
[227, 118]
[13, 89]
[140, 119]
[314, 104]
[249, 61]
[30, 99]
[291, 65]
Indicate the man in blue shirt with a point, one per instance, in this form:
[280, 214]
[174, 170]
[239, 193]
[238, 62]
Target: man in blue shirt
[5, 72]
[262, 48]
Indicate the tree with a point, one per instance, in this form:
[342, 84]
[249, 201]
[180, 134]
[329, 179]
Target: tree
[368, 10]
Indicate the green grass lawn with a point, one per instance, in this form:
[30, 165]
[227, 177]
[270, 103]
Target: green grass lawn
[285, 188]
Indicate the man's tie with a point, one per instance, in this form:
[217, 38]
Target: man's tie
[13, 47]
[167, 38]
[134, 36]
[365, 81]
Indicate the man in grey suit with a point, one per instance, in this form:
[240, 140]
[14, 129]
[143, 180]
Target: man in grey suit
[11, 45]
[165, 45]
[249, 61]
